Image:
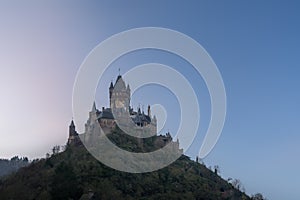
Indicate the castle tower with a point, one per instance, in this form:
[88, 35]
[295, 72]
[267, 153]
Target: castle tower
[111, 88]
[128, 89]
[73, 135]
[149, 111]
[72, 129]
[92, 119]
[120, 96]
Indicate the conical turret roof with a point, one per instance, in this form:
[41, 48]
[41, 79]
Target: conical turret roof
[120, 84]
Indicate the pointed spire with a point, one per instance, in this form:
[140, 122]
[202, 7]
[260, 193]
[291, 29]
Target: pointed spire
[149, 111]
[94, 107]
[120, 84]
[111, 85]
[72, 123]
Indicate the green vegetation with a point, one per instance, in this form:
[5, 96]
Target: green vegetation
[75, 174]
[12, 165]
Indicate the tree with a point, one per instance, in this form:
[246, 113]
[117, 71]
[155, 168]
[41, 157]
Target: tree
[65, 184]
[63, 148]
[237, 184]
[55, 149]
[15, 159]
[258, 196]
[217, 169]
[25, 159]
[47, 155]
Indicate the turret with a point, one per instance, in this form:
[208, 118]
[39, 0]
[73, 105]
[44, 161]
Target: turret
[128, 89]
[111, 88]
[154, 118]
[94, 109]
[120, 95]
[149, 111]
[93, 113]
[73, 135]
[120, 84]
[72, 129]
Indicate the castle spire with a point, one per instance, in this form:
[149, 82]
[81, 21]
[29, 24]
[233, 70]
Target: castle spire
[111, 88]
[154, 118]
[94, 107]
[149, 111]
[72, 129]
[72, 123]
[120, 84]
[73, 135]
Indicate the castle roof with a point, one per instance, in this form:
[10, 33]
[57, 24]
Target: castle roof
[138, 118]
[72, 123]
[111, 85]
[106, 114]
[94, 107]
[120, 84]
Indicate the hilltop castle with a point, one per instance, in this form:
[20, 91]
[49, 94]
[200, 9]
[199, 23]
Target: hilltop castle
[119, 113]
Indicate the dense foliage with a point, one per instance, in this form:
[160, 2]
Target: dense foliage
[75, 174]
[12, 165]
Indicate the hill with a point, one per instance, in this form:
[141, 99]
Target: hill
[75, 174]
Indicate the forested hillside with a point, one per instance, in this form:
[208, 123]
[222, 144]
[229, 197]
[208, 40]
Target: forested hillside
[75, 174]
[12, 165]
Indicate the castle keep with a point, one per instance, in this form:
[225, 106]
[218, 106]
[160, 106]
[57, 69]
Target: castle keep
[119, 113]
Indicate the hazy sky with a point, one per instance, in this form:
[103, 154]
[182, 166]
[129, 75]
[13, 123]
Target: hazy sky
[255, 44]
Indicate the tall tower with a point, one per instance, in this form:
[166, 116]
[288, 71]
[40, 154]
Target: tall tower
[72, 129]
[149, 111]
[73, 135]
[93, 118]
[111, 88]
[120, 95]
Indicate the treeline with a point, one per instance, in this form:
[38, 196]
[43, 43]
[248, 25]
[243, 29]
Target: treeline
[71, 172]
[8, 166]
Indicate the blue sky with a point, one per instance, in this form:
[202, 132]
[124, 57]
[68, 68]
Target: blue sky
[255, 45]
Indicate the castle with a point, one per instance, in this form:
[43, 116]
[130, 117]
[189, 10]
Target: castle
[119, 113]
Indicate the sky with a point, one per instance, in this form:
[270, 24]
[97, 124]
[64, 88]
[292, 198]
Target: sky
[255, 45]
